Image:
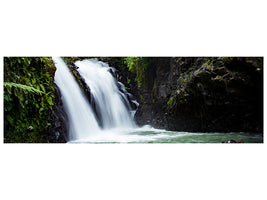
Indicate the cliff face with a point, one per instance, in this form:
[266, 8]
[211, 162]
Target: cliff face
[204, 94]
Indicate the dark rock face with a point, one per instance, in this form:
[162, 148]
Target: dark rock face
[59, 130]
[153, 107]
[204, 94]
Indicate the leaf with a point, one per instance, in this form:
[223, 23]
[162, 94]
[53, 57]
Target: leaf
[42, 88]
[7, 98]
[50, 101]
[10, 120]
[24, 87]
[8, 107]
[9, 90]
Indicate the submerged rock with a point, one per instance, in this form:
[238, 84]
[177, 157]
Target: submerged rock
[233, 141]
[240, 141]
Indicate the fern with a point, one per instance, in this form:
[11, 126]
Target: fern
[24, 87]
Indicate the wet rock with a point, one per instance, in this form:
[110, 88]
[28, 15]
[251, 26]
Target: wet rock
[240, 141]
[59, 130]
[229, 141]
[113, 73]
[233, 141]
[204, 94]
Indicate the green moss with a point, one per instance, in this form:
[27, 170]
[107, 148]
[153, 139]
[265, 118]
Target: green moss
[140, 66]
[70, 60]
[134, 64]
[170, 102]
[227, 59]
[208, 66]
[235, 73]
[177, 101]
[183, 79]
[182, 97]
[28, 98]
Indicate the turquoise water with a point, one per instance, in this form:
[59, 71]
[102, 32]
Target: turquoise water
[151, 135]
[187, 137]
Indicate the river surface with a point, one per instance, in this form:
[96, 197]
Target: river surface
[151, 135]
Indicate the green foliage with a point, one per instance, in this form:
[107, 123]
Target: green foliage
[128, 80]
[177, 101]
[28, 98]
[170, 102]
[227, 60]
[23, 87]
[182, 96]
[70, 60]
[183, 79]
[140, 66]
[134, 64]
[218, 77]
[211, 61]
[235, 73]
[209, 64]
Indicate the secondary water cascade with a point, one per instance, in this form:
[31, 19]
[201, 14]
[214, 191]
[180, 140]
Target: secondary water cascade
[112, 106]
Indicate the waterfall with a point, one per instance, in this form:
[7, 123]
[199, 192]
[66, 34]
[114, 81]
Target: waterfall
[113, 110]
[111, 104]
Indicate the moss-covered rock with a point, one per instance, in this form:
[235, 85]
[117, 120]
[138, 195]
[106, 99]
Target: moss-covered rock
[206, 94]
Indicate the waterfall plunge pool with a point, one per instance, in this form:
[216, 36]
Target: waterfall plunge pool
[148, 134]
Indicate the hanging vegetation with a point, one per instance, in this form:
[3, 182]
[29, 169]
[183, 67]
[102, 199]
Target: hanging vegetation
[28, 98]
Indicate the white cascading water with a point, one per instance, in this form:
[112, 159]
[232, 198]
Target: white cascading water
[82, 121]
[111, 104]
